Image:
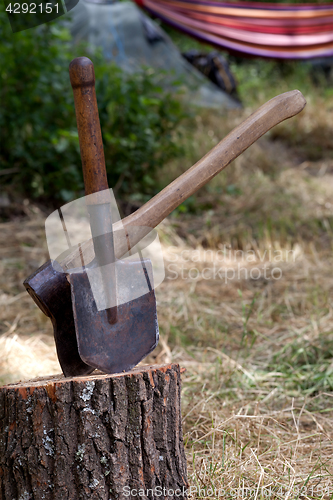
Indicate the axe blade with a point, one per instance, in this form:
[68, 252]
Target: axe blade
[51, 292]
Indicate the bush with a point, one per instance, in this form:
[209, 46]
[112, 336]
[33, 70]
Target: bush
[39, 150]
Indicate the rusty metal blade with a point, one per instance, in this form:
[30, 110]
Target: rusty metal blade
[120, 346]
[44, 285]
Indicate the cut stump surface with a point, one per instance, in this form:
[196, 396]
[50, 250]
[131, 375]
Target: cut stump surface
[97, 437]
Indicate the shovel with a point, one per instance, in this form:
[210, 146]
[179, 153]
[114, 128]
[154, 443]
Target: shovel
[50, 289]
[118, 337]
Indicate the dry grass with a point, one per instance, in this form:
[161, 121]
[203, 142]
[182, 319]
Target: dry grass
[26, 345]
[257, 399]
[257, 391]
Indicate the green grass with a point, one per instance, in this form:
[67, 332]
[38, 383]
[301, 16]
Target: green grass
[306, 365]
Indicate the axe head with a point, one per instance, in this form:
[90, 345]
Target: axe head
[84, 338]
[113, 348]
[51, 291]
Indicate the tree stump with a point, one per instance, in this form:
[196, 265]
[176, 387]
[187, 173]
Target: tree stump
[97, 437]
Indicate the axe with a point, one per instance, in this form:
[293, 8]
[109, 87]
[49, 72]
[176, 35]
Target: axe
[51, 290]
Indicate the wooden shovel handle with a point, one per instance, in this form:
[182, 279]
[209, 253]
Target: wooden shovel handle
[82, 77]
[160, 206]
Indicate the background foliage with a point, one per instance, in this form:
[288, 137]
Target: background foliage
[39, 150]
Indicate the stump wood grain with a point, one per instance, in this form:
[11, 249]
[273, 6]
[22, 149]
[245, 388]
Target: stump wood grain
[94, 437]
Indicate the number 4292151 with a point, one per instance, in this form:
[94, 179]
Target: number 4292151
[31, 8]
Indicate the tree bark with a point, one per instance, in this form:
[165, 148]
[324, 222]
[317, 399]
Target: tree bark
[97, 437]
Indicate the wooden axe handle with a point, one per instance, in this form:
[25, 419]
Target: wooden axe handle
[267, 116]
[160, 206]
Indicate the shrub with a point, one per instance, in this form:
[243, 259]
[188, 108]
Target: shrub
[39, 149]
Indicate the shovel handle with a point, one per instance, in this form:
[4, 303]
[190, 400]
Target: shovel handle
[82, 77]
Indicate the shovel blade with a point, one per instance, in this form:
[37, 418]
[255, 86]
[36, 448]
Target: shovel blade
[113, 348]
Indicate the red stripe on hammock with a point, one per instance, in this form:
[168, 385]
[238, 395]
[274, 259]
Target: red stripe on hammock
[269, 26]
[255, 38]
[275, 34]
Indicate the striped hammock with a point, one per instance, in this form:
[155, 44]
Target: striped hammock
[284, 31]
